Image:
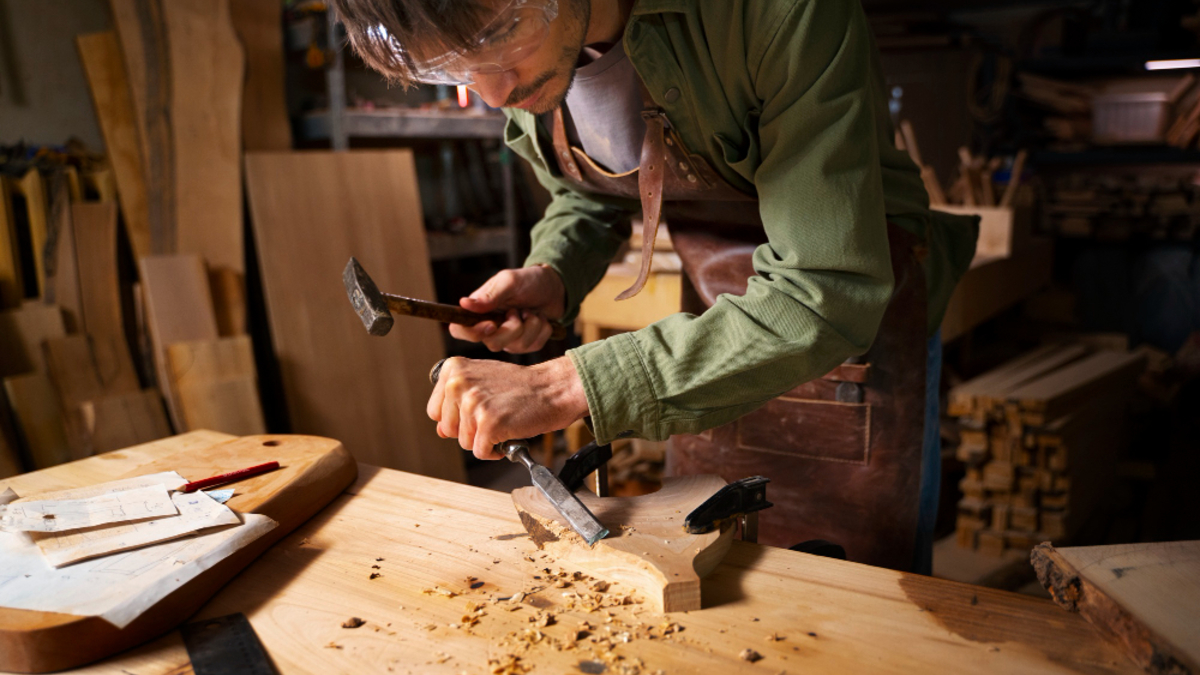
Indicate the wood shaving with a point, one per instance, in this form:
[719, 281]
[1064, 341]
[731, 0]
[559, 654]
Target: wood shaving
[750, 655]
[333, 645]
[774, 637]
[439, 591]
[353, 622]
[374, 575]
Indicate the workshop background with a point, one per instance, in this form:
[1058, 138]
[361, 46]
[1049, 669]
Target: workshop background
[177, 204]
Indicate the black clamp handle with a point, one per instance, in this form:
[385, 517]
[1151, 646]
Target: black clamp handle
[579, 465]
[742, 497]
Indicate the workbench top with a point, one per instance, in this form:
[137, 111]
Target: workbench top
[447, 553]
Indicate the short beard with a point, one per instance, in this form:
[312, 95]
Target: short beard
[580, 15]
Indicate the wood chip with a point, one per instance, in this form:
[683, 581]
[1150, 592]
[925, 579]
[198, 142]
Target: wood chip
[333, 645]
[750, 655]
[353, 622]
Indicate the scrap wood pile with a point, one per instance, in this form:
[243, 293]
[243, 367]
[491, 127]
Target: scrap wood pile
[1040, 436]
[90, 346]
[978, 176]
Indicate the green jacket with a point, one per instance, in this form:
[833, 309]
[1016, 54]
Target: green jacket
[786, 99]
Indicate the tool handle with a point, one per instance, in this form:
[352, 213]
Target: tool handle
[452, 313]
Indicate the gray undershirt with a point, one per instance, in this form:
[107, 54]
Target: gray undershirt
[604, 111]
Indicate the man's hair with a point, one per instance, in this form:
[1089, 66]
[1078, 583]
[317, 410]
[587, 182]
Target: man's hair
[377, 28]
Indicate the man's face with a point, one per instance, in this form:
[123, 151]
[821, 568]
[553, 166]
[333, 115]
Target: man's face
[540, 82]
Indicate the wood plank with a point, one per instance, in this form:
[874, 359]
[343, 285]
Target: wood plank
[995, 385]
[22, 332]
[206, 66]
[38, 418]
[61, 285]
[217, 385]
[178, 308]
[1147, 596]
[313, 472]
[339, 382]
[1053, 395]
[84, 367]
[259, 26]
[99, 278]
[12, 287]
[37, 205]
[111, 95]
[119, 421]
[143, 38]
[647, 549]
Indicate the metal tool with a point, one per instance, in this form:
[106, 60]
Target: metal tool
[226, 645]
[741, 499]
[582, 520]
[590, 457]
[375, 307]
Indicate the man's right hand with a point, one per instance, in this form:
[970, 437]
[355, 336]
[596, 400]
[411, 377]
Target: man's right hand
[532, 297]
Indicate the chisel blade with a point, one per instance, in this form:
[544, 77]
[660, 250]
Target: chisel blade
[581, 519]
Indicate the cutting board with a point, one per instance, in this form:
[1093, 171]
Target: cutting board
[647, 547]
[313, 472]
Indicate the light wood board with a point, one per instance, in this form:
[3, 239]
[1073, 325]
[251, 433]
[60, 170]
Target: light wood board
[1147, 596]
[22, 332]
[32, 187]
[85, 367]
[1054, 394]
[12, 287]
[647, 548]
[206, 66]
[216, 384]
[259, 26]
[99, 280]
[38, 418]
[311, 212]
[313, 472]
[178, 308]
[113, 99]
[61, 285]
[118, 421]
[424, 534]
[143, 36]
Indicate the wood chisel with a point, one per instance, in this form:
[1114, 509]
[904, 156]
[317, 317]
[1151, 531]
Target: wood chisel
[582, 520]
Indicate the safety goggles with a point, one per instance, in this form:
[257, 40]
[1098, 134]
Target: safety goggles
[517, 31]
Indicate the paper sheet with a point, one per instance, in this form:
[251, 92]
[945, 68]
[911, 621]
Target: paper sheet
[119, 587]
[168, 479]
[197, 511]
[62, 515]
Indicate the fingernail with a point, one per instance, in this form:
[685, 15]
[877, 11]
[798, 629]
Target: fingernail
[489, 329]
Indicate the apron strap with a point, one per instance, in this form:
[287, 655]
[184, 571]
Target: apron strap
[651, 172]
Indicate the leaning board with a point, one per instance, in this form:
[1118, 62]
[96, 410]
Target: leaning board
[1147, 596]
[313, 472]
[312, 211]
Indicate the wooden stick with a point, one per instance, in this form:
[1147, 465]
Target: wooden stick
[1014, 179]
[910, 142]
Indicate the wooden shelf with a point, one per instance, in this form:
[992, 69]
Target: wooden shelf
[404, 124]
[1118, 154]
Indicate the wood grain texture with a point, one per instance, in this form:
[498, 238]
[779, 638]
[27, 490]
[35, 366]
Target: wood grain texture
[112, 97]
[12, 287]
[61, 284]
[1146, 596]
[217, 385]
[32, 187]
[86, 369]
[95, 227]
[206, 66]
[647, 548]
[178, 308]
[314, 471]
[829, 616]
[312, 211]
[259, 26]
[22, 332]
[38, 418]
[116, 421]
[143, 36]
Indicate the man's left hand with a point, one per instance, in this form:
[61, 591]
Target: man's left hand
[483, 402]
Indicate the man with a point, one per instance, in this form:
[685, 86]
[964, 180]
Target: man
[760, 129]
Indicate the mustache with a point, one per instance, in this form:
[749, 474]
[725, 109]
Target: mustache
[521, 93]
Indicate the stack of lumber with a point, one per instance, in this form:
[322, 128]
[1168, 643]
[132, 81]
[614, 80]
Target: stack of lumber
[1159, 205]
[1040, 436]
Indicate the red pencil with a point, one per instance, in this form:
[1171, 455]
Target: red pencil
[229, 477]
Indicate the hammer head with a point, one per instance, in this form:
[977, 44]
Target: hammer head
[368, 302]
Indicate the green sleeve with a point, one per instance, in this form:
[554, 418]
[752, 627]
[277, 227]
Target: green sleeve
[577, 237]
[822, 282]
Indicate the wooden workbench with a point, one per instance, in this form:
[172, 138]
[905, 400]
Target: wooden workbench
[431, 538]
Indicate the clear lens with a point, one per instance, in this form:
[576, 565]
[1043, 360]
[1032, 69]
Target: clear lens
[510, 39]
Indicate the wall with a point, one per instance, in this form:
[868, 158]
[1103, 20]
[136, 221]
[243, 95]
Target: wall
[43, 94]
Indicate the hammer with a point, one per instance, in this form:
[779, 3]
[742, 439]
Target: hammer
[375, 308]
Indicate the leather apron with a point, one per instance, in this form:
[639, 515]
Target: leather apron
[843, 452]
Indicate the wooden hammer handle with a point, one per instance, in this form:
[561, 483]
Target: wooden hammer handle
[451, 313]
